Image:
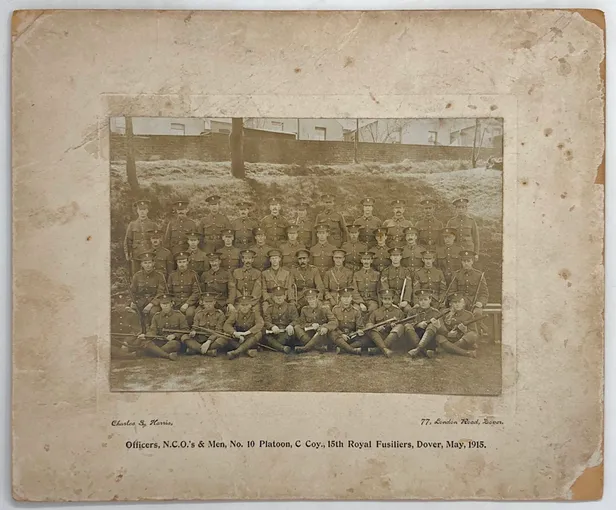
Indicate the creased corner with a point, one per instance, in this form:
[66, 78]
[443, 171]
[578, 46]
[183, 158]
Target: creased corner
[22, 21]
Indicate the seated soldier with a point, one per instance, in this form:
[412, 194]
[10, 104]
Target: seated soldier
[245, 325]
[336, 278]
[350, 322]
[183, 286]
[384, 336]
[280, 318]
[146, 288]
[422, 332]
[314, 324]
[125, 327]
[430, 278]
[209, 317]
[398, 279]
[160, 343]
[367, 283]
[453, 335]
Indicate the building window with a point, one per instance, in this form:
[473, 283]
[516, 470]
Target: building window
[277, 126]
[433, 137]
[320, 133]
[118, 125]
[178, 129]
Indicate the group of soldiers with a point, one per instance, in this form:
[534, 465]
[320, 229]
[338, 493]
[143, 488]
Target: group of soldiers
[238, 286]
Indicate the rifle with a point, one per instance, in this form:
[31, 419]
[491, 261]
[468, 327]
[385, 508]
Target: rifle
[444, 312]
[466, 323]
[441, 302]
[374, 326]
[402, 292]
[198, 330]
[477, 290]
[130, 335]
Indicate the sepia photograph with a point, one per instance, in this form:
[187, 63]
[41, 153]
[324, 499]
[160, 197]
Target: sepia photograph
[323, 255]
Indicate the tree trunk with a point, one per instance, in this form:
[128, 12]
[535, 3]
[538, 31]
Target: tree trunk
[237, 148]
[474, 157]
[131, 167]
[356, 142]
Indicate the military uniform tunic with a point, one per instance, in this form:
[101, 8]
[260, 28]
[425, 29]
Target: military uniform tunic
[136, 239]
[381, 258]
[261, 259]
[221, 282]
[163, 261]
[250, 321]
[429, 231]
[247, 282]
[211, 227]
[322, 256]
[304, 232]
[337, 227]
[468, 281]
[198, 261]
[211, 319]
[367, 283]
[281, 315]
[396, 226]
[147, 288]
[467, 233]
[243, 231]
[335, 279]
[280, 278]
[393, 278]
[184, 287]
[367, 226]
[177, 230]
[352, 259]
[448, 260]
[319, 315]
[126, 322]
[307, 277]
[349, 319]
[229, 257]
[431, 279]
[412, 256]
[382, 314]
[171, 320]
[275, 229]
[288, 251]
[450, 321]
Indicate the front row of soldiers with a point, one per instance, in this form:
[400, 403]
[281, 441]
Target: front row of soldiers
[343, 327]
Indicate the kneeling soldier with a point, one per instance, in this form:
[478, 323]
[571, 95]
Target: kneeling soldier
[163, 344]
[245, 325]
[280, 318]
[206, 316]
[422, 332]
[453, 336]
[349, 321]
[314, 324]
[385, 312]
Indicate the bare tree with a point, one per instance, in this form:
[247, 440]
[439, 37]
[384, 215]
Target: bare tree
[131, 167]
[236, 141]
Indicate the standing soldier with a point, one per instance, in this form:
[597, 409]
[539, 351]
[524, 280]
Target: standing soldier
[197, 259]
[124, 322]
[353, 249]
[163, 258]
[422, 332]
[275, 276]
[164, 345]
[452, 335]
[380, 252]
[183, 286]
[305, 276]
[384, 336]
[322, 251]
[448, 255]
[367, 223]
[280, 319]
[304, 225]
[243, 227]
[468, 234]
[335, 221]
[274, 224]
[349, 321]
[146, 288]
[412, 253]
[213, 224]
[314, 324]
[337, 278]
[397, 223]
[291, 246]
[206, 316]
[219, 282]
[394, 278]
[261, 249]
[247, 279]
[429, 227]
[367, 281]
[136, 238]
[246, 326]
[179, 226]
[229, 254]
[430, 278]
[471, 284]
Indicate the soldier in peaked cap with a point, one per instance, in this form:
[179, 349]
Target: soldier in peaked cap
[422, 332]
[367, 223]
[275, 276]
[394, 276]
[280, 319]
[314, 324]
[350, 321]
[337, 278]
[367, 282]
[452, 335]
[261, 248]
[164, 344]
[243, 227]
[124, 322]
[384, 336]
[335, 221]
[146, 288]
[380, 257]
[247, 279]
[412, 253]
[290, 246]
[197, 259]
[305, 276]
[245, 325]
[429, 226]
[183, 285]
[466, 227]
[274, 224]
[163, 258]
[219, 282]
[229, 254]
[353, 248]
[213, 224]
[448, 254]
[322, 252]
[304, 225]
[470, 282]
[206, 316]
[179, 226]
[136, 239]
[397, 223]
[430, 278]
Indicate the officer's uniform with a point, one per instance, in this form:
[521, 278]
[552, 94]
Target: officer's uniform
[448, 256]
[221, 283]
[468, 234]
[270, 279]
[251, 322]
[137, 238]
[306, 278]
[212, 226]
[184, 288]
[280, 315]
[178, 228]
[335, 279]
[247, 282]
